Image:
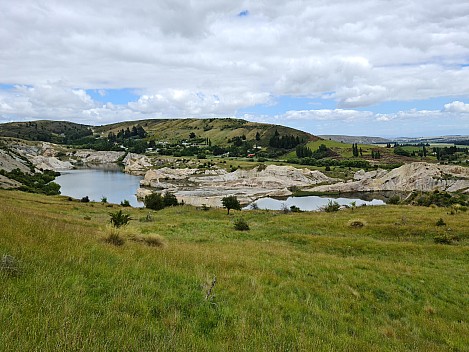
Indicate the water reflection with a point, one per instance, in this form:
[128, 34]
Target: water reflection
[111, 183]
[309, 203]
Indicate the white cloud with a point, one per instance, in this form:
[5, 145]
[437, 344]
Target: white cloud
[327, 115]
[457, 106]
[359, 53]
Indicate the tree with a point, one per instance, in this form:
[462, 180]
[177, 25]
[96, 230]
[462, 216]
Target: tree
[258, 136]
[231, 202]
[170, 200]
[192, 135]
[154, 201]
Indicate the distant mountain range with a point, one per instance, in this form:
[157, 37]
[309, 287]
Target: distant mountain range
[459, 139]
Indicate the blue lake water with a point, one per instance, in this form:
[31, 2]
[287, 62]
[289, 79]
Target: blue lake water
[113, 184]
[309, 203]
[117, 186]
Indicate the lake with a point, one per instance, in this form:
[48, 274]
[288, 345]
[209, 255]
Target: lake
[111, 183]
[116, 186]
[309, 203]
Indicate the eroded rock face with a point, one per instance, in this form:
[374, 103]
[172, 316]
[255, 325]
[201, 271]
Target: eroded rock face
[197, 187]
[418, 176]
[97, 157]
[136, 164]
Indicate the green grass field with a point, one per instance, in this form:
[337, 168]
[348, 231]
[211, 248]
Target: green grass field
[294, 282]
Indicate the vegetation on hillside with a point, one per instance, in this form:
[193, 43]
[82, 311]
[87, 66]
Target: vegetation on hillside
[48, 131]
[364, 279]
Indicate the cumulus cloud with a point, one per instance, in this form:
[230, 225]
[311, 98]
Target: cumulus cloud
[457, 106]
[215, 57]
[363, 52]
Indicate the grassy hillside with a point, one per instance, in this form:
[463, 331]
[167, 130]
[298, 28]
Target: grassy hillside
[344, 151]
[298, 281]
[48, 131]
[219, 131]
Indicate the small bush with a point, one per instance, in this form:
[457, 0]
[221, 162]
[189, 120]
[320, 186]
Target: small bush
[87, 217]
[147, 218]
[332, 206]
[150, 240]
[241, 225]
[103, 199]
[284, 208]
[440, 222]
[394, 200]
[115, 239]
[9, 265]
[154, 201]
[125, 203]
[443, 239]
[254, 206]
[119, 219]
[295, 209]
[85, 199]
[170, 200]
[356, 224]
[204, 207]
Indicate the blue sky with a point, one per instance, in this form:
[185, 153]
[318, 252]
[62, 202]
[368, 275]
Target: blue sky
[377, 68]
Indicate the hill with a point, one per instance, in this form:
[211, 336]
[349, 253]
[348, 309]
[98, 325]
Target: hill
[46, 131]
[356, 139]
[219, 131]
[184, 279]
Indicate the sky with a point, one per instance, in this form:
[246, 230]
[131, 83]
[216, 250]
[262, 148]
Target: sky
[371, 67]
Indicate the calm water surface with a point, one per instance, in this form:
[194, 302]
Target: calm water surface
[309, 203]
[97, 183]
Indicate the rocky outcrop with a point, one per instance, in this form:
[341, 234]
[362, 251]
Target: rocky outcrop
[136, 164]
[197, 187]
[50, 163]
[93, 157]
[417, 176]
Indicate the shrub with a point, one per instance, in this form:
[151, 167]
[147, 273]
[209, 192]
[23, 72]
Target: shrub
[204, 207]
[115, 239]
[231, 202]
[241, 225]
[119, 219]
[125, 203]
[146, 218]
[85, 199]
[150, 240]
[442, 239]
[154, 201]
[331, 206]
[356, 224]
[169, 199]
[103, 199]
[254, 206]
[9, 265]
[295, 209]
[284, 208]
[440, 222]
[394, 200]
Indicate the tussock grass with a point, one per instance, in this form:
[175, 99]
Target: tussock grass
[297, 281]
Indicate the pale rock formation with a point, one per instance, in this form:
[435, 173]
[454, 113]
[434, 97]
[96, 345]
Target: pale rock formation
[417, 176]
[197, 187]
[136, 164]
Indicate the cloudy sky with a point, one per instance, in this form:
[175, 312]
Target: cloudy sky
[368, 67]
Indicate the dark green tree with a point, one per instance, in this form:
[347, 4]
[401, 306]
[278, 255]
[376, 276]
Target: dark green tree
[231, 202]
[154, 201]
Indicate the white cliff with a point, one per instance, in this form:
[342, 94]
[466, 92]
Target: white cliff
[417, 176]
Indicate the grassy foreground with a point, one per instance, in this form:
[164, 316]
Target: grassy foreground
[297, 281]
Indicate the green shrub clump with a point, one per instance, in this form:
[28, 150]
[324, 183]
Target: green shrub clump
[331, 206]
[241, 225]
[119, 218]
